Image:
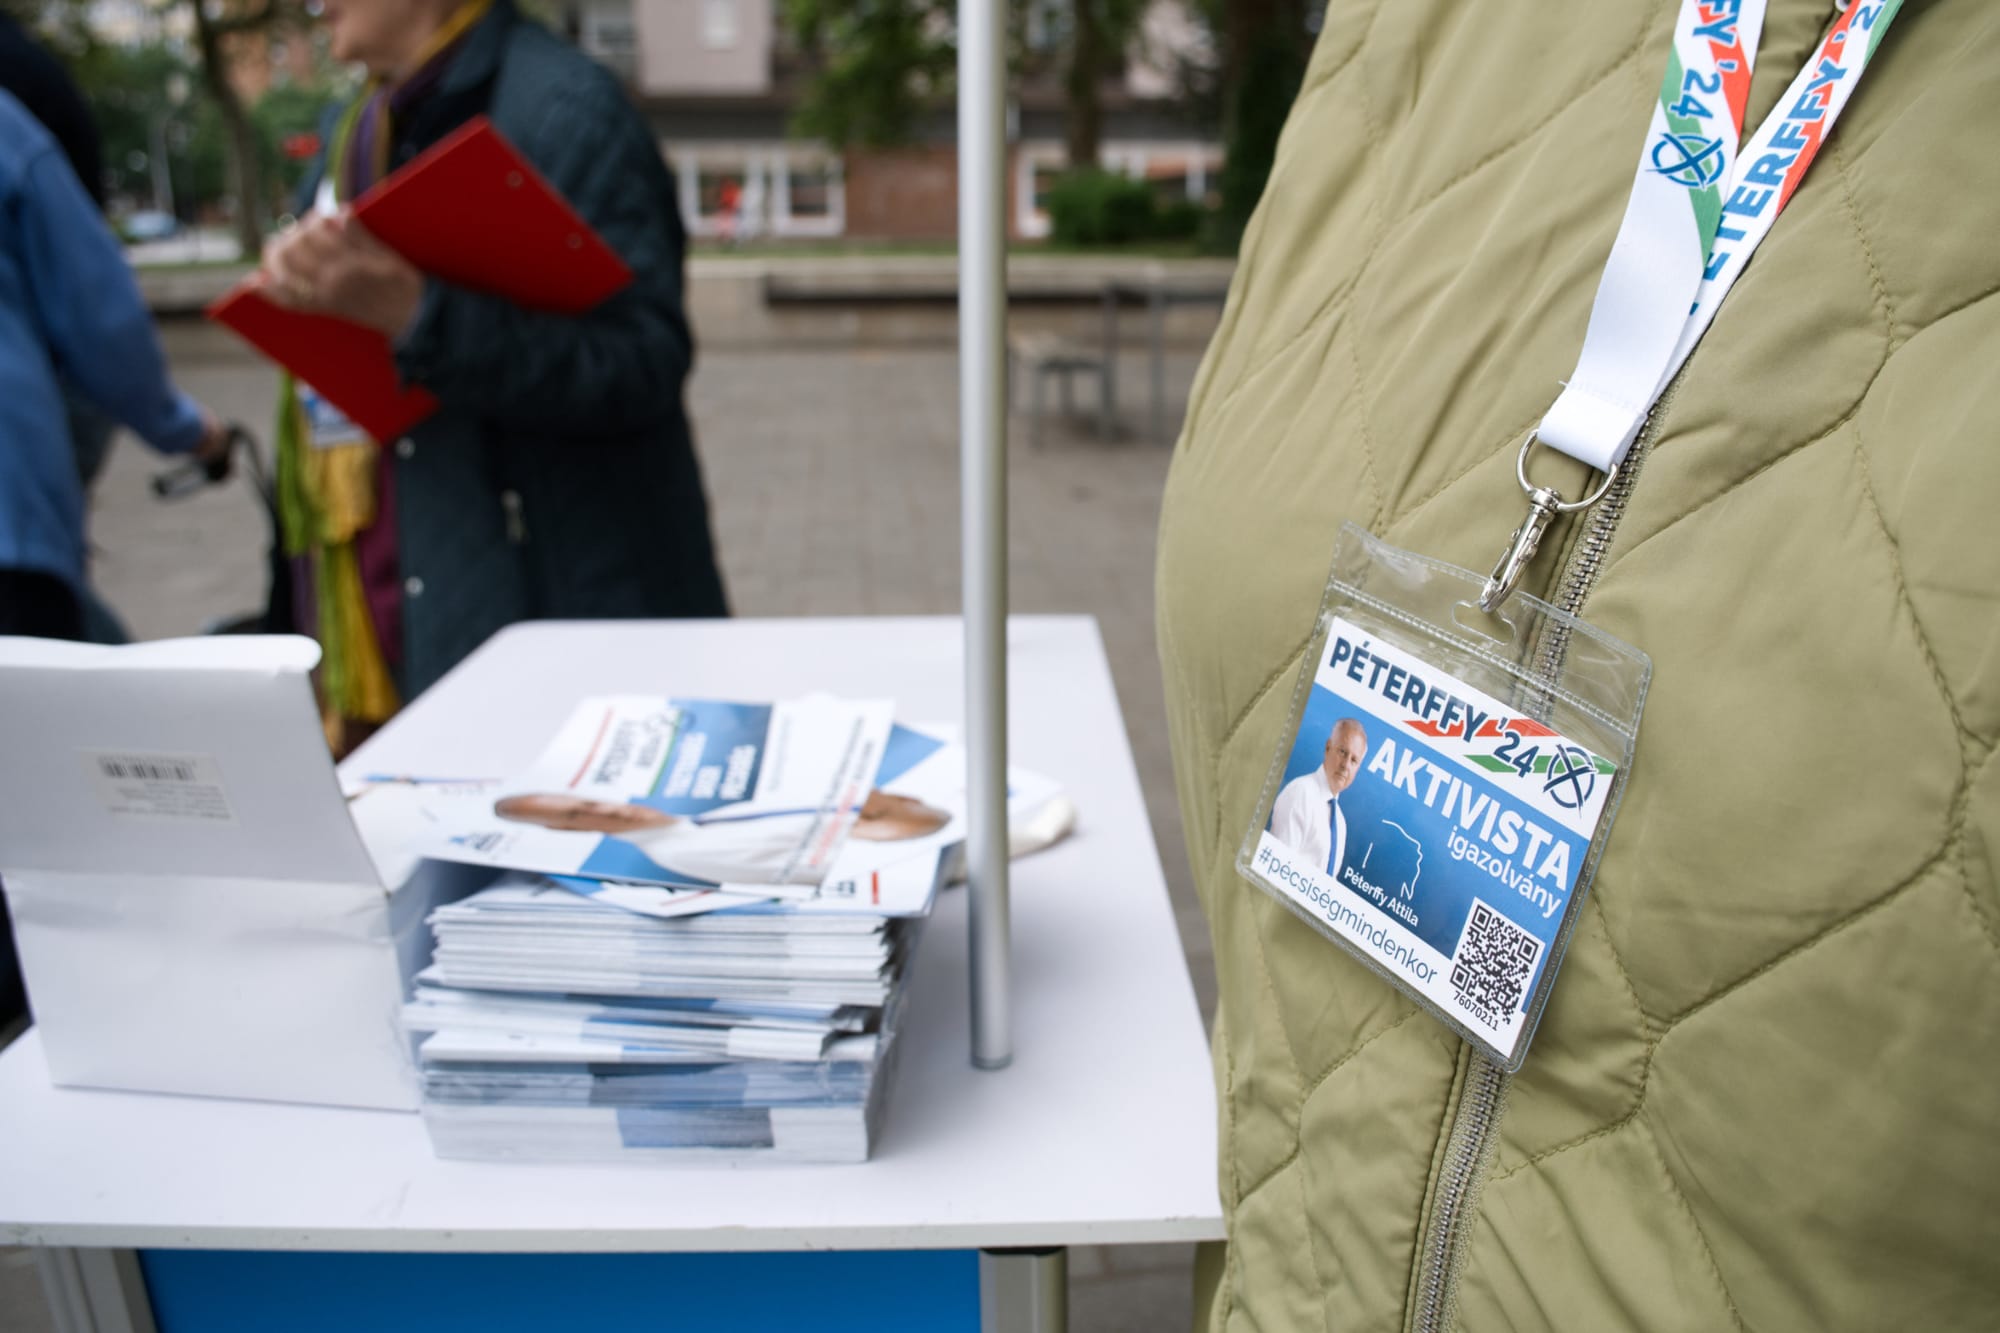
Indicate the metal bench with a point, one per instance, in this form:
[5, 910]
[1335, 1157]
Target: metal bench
[1040, 355]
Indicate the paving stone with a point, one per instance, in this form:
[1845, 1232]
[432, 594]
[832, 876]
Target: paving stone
[22, 1306]
[1157, 1301]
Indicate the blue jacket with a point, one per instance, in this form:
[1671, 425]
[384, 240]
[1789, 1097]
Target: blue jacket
[68, 304]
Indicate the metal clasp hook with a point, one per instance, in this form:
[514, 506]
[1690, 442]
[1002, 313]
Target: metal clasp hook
[1543, 507]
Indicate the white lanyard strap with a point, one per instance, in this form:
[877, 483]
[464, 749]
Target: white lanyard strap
[1775, 159]
[1698, 210]
[1655, 265]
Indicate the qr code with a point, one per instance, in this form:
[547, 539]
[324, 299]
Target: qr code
[1495, 958]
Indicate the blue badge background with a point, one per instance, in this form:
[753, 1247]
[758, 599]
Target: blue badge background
[1445, 888]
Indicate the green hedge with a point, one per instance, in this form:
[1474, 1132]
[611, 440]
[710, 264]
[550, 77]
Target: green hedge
[1098, 207]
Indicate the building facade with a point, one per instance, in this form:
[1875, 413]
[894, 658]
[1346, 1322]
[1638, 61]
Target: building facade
[720, 83]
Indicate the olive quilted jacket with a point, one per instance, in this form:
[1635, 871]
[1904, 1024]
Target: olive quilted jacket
[1765, 1092]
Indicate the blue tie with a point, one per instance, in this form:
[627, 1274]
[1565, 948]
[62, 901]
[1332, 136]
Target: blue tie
[1333, 837]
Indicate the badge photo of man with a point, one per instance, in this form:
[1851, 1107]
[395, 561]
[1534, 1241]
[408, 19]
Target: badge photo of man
[1307, 816]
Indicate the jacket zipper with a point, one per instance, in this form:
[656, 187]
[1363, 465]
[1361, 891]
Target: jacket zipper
[1470, 1143]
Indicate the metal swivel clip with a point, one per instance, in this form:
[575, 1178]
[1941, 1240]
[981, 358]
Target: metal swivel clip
[1543, 507]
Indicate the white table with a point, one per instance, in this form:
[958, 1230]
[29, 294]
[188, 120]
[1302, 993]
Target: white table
[1101, 1132]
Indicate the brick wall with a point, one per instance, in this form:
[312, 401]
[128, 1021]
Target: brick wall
[909, 194]
[903, 193]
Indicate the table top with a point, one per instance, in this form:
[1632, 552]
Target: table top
[1102, 1131]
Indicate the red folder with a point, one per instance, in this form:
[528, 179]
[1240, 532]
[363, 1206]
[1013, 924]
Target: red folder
[470, 211]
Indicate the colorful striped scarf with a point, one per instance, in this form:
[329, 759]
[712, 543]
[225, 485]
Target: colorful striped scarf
[327, 496]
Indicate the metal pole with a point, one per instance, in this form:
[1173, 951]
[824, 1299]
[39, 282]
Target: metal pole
[95, 1291]
[1024, 1291]
[982, 416]
[163, 181]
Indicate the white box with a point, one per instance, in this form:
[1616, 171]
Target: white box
[194, 908]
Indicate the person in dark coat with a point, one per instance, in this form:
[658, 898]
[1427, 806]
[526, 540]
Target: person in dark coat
[41, 84]
[558, 478]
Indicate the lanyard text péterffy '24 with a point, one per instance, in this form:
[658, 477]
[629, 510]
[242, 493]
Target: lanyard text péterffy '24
[1697, 212]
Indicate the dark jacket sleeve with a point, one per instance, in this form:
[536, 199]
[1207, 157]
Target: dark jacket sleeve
[615, 369]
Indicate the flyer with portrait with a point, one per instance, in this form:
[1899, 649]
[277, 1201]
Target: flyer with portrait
[890, 867]
[1435, 831]
[690, 793]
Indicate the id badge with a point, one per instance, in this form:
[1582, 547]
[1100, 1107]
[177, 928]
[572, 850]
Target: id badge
[327, 427]
[1445, 785]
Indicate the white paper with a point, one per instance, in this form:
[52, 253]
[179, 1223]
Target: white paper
[701, 794]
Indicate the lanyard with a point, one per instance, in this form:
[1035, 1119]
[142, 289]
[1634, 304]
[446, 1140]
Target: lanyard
[1698, 210]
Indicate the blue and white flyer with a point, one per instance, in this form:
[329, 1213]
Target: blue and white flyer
[919, 795]
[689, 793]
[1433, 830]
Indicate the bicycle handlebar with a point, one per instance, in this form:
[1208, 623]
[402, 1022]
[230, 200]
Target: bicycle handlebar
[194, 474]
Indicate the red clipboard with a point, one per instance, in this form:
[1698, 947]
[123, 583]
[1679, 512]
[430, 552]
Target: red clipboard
[470, 211]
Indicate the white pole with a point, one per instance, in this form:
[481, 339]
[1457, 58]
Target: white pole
[982, 416]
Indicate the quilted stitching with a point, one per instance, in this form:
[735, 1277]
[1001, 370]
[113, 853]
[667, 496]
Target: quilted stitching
[1232, 744]
[1356, 68]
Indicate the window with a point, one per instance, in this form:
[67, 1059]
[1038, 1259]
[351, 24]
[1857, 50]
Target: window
[1036, 167]
[1046, 27]
[719, 189]
[812, 194]
[739, 192]
[1169, 178]
[611, 36]
[1046, 175]
[1174, 171]
[808, 192]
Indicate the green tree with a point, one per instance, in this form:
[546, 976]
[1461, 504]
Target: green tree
[140, 126]
[1101, 31]
[879, 66]
[1263, 47]
[214, 25]
[214, 145]
[286, 111]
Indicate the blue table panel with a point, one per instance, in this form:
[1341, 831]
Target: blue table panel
[256, 1291]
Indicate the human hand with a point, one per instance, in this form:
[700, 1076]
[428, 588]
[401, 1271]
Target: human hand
[216, 440]
[330, 265]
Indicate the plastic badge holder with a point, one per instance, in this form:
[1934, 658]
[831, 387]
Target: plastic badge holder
[1478, 761]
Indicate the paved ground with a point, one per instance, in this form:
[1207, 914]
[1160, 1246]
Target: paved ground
[795, 443]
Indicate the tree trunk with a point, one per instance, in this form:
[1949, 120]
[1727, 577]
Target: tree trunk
[1083, 119]
[245, 170]
[1265, 47]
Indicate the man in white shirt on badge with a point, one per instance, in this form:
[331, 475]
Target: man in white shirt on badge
[1307, 815]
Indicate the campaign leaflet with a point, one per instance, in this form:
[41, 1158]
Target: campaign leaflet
[537, 1031]
[1435, 830]
[688, 793]
[872, 876]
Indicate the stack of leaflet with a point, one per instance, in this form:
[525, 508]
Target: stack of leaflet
[562, 1028]
[698, 944]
